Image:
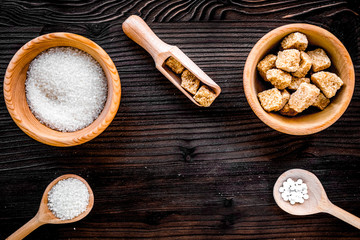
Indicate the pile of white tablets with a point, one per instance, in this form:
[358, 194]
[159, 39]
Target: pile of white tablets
[294, 192]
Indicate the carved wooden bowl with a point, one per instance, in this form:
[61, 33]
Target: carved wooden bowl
[15, 98]
[304, 123]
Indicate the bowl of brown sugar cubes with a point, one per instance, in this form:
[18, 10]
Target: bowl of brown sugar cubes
[62, 89]
[299, 79]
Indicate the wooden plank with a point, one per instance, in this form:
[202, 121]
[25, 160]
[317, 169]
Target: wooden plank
[18, 12]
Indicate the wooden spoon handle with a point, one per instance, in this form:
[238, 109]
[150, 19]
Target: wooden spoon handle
[343, 215]
[25, 230]
[137, 30]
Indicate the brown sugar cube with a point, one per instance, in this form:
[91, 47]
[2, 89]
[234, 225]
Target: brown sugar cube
[266, 64]
[287, 111]
[189, 82]
[278, 78]
[304, 97]
[305, 65]
[321, 102]
[295, 82]
[295, 40]
[175, 65]
[271, 100]
[285, 98]
[205, 96]
[320, 60]
[328, 82]
[288, 60]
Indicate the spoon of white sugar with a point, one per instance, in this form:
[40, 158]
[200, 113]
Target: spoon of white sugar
[67, 199]
[314, 198]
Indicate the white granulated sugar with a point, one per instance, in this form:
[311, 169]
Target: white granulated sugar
[294, 191]
[68, 198]
[66, 88]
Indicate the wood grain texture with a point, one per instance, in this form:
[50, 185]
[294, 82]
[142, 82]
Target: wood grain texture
[113, 11]
[165, 169]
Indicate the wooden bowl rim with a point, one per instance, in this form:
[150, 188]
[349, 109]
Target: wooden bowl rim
[64, 139]
[281, 126]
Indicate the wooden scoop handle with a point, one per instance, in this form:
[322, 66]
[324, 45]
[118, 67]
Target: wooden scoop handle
[25, 230]
[343, 215]
[137, 30]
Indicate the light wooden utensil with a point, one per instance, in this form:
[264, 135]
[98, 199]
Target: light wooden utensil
[44, 215]
[318, 201]
[15, 97]
[342, 65]
[137, 30]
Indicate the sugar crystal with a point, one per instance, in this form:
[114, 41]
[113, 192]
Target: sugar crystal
[68, 198]
[66, 89]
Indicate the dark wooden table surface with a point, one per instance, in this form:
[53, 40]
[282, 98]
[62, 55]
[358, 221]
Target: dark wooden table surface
[164, 168]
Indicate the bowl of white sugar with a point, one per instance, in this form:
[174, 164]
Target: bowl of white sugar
[62, 89]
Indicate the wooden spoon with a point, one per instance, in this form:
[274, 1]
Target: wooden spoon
[318, 201]
[137, 30]
[44, 215]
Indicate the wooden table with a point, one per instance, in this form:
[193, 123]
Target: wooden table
[164, 168]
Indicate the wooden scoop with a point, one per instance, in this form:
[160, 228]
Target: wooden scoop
[137, 30]
[318, 201]
[44, 215]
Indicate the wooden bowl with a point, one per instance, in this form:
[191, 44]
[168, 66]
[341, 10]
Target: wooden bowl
[15, 98]
[304, 123]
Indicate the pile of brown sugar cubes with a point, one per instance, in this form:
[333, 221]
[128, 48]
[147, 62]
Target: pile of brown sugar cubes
[293, 91]
[203, 95]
